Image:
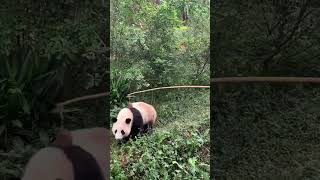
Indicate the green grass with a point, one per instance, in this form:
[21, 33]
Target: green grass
[267, 132]
[178, 148]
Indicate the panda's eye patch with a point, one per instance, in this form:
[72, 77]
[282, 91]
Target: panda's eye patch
[115, 131]
[114, 119]
[128, 120]
[122, 132]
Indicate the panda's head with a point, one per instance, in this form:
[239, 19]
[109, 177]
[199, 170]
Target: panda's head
[121, 127]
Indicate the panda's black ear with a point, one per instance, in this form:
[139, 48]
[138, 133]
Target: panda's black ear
[114, 119]
[128, 120]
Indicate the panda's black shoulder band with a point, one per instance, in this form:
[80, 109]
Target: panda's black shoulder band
[137, 118]
[84, 164]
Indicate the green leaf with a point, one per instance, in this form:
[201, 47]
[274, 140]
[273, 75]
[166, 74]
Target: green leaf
[25, 105]
[2, 128]
[44, 138]
[175, 162]
[17, 123]
[89, 81]
[18, 143]
[25, 69]
[192, 161]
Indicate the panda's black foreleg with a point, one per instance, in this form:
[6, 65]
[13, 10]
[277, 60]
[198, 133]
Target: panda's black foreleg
[142, 129]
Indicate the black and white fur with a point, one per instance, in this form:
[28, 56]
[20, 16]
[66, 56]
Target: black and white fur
[74, 155]
[138, 117]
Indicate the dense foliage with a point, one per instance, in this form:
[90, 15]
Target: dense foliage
[177, 149]
[48, 50]
[266, 131]
[154, 44]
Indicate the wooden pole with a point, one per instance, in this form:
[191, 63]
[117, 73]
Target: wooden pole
[254, 79]
[168, 87]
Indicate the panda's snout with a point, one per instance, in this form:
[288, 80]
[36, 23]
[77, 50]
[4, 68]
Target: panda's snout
[118, 136]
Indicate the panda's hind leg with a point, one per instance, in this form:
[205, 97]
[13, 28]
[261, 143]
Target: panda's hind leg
[149, 127]
[145, 128]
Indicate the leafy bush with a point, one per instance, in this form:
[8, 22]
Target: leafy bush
[48, 50]
[266, 131]
[28, 88]
[154, 44]
[125, 80]
[164, 156]
[177, 148]
[13, 165]
[274, 129]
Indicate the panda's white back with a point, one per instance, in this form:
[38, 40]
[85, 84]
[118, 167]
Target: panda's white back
[47, 164]
[147, 111]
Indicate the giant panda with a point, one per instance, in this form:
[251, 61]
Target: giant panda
[74, 155]
[138, 117]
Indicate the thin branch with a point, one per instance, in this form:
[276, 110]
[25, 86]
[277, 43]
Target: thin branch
[93, 96]
[60, 106]
[168, 87]
[282, 45]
